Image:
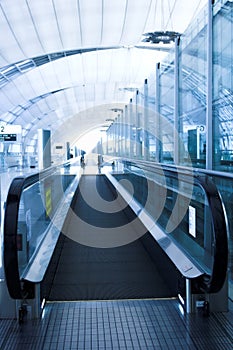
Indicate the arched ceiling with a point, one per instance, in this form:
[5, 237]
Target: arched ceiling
[60, 58]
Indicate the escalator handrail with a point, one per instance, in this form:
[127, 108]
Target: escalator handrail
[10, 248]
[214, 282]
[182, 169]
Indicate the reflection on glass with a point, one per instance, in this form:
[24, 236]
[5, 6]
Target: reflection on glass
[38, 204]
[179, 207]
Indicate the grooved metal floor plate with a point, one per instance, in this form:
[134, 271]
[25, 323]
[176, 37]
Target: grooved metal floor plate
[119, 325]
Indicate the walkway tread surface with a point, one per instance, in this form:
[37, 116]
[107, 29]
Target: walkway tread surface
[80, 272]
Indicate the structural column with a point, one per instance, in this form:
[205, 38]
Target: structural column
[176, 104]
[114, 129]
[157, 131]
[120, 136]
[209, 110]
[131, 139]
[138, 128]
[126, 131]
[44, 148]
[146, 128]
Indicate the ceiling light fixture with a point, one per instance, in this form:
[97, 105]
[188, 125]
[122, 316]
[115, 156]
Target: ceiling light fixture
[164, 37]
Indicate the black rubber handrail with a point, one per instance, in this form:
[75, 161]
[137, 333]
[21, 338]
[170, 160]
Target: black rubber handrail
[10, 251]
[214, 282]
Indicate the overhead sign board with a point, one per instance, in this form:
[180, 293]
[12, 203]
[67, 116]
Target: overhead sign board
[10, 133]
[8, 137]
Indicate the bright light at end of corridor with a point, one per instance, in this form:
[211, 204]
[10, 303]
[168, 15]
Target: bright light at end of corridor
[88, 141]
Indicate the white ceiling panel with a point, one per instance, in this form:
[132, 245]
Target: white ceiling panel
[114, 16]
[45, 25]
[10, 16]
[90, 21]
[69, 27]
[26, 116]
[135, 21]
[35, 76]
[6, 103]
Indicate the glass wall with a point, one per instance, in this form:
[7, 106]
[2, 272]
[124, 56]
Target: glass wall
[223, 110]
[180, 96]
[223, 85]
[181, 93]
[189, 114]
[166, 109]
[193, 91]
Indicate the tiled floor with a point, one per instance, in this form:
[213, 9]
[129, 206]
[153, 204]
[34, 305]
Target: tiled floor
[126, 324]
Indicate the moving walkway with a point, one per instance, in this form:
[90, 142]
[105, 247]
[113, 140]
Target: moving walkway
[153, 231]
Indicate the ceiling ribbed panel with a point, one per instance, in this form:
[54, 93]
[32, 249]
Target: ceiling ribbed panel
[135, 21]
[16, 40]
[43, 17]
[69, 25]
[91, 22]
[33, 28]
